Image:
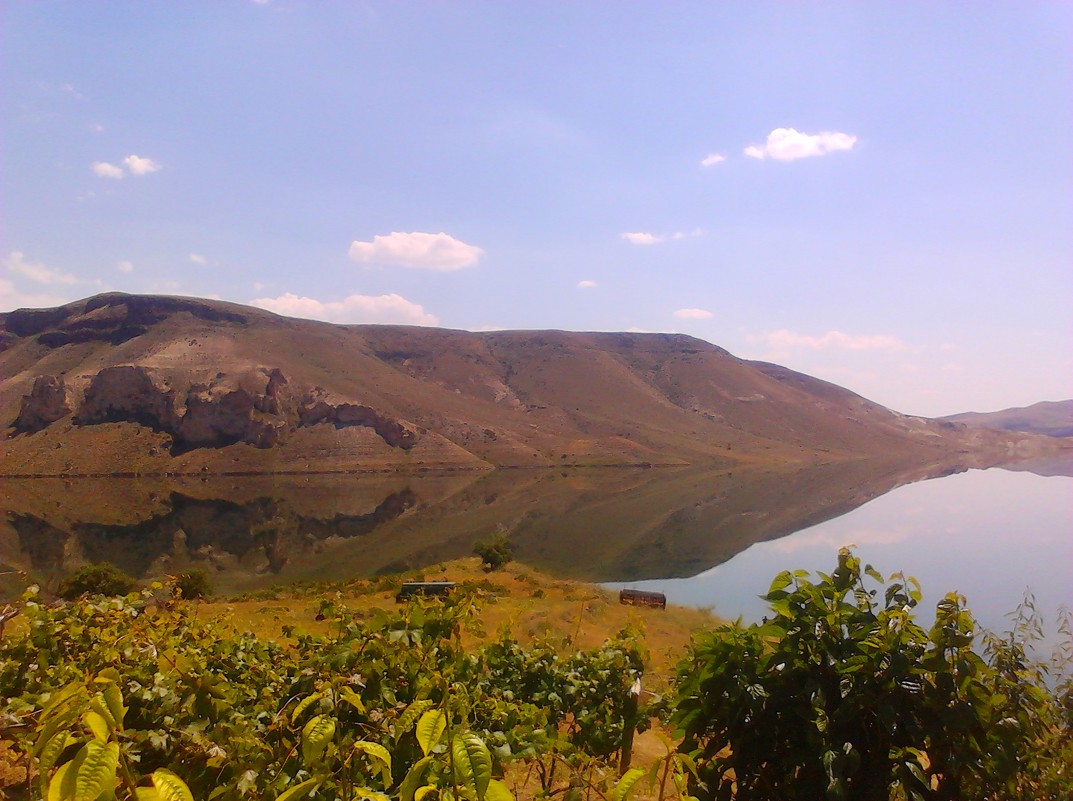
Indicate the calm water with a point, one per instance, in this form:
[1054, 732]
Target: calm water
[710, 538]
[990, 535]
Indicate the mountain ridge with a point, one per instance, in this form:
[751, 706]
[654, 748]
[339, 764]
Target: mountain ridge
[146, 384]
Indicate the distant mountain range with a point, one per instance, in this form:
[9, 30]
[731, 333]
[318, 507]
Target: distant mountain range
[1052, 418]
[133, 384]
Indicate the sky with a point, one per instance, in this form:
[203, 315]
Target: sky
[878, 194]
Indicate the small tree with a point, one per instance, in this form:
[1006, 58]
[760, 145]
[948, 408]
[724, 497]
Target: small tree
[97, 578]
[840, 695]
[494, 553]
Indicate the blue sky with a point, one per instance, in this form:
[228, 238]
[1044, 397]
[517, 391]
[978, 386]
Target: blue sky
[879, 194]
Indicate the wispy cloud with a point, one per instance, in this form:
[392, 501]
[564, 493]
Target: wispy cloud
[131, 165]
[16, 262]
[393, 309]
[712, 159]
[440, 252]
[197, 258]
[783, 339]
[693, 314]
[125, 266]
[788, 144]
[586, 284]
[646, 238]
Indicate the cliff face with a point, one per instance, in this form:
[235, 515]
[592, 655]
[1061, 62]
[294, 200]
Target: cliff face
[121, 383]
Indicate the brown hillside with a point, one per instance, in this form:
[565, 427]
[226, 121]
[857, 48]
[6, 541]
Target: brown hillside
[146, 384]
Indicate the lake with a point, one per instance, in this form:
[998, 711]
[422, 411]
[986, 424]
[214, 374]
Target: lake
[711, 538]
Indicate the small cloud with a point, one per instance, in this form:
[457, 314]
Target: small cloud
[440, 252]
[788, 144]
[259, 286]
[586, 284]
[832, 339]
[125, 267]
[197, 258]
[390, 309]
[712, 159]
[693, 314]
[686, 234]
[140, 166]
[641, 238]
[12, 298]
[106, 170]
[97, 128]
[35, 271]
[136, 165]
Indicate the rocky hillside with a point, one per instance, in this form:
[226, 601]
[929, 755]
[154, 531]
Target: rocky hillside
[1051, 418]
[143, 384]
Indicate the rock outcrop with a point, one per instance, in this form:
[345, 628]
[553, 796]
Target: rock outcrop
[46, 403]
[209, 415]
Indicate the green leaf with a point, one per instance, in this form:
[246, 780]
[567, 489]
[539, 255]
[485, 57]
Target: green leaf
[113, 699]
[497, 791]
[300, 790]
[625, 785]
[379, 753]
[50, 753]
[304, 704]
[170, 787]
[146, 794]
[420, 794]
[352, 698]
[409, 717]
[781, 582]
[368, 792]
[62, 786]
[472, 763]
[316, 735]
[97, 771]
[430, 729]
[98, 725]
[413, 779]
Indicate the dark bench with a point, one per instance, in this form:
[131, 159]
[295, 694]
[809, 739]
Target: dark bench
[642, 598]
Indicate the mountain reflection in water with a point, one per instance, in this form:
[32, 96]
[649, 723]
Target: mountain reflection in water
[592, 524]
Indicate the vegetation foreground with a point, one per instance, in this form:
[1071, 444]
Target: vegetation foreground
[838, 694]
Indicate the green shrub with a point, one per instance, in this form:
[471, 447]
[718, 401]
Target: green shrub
[97, 578]
[494, 553]
[193, 584]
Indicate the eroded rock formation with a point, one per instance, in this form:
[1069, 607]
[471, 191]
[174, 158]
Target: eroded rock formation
[46, 403]
[214, 415]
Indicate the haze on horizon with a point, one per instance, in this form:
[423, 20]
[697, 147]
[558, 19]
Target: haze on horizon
[880, 195]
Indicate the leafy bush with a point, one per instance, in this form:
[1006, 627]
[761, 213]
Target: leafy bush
[841, 695]
[494, 553]
[193, 584]
[98, 578]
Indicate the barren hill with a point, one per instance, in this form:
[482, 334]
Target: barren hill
[1052, 418]
[146, 384]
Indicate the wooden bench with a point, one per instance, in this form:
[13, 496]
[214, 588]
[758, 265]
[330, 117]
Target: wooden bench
[642, 598]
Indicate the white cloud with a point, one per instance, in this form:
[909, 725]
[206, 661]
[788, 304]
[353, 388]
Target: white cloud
[12, 298]
[106, 170]
[641, 238]
[686, 234]
[125, 266]
[712, 159]
[197, 258]
[440, 252]
[140, 166]
[788, 144]
[693, 314]
[35, 271]
[136, 165]
[586, 284]
[393, 309]
[832, 339]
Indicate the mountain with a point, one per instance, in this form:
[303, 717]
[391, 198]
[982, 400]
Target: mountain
[1051, 418]
[133, 384]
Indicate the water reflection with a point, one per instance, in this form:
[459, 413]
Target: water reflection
[596, 525]
[990, 535]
